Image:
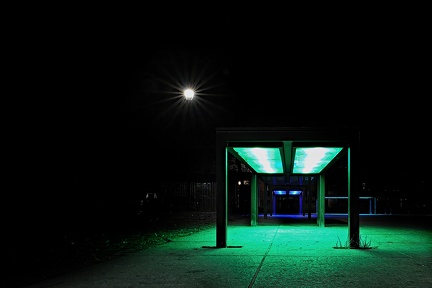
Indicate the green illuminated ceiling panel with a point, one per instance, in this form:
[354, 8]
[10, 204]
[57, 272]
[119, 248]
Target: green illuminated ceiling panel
[313, 160]
[262, 160]
[307, 160]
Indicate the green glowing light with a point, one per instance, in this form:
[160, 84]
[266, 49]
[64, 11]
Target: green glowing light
[262, 160]
[313, 159]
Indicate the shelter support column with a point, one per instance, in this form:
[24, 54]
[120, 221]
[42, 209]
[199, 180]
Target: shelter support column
[221, 193]
[273, 201]
[354, 187]
[374, 205]
[305, 197]
[321, 201]
[265, 201]
[301, 203]
[254, 202]
[309, 202]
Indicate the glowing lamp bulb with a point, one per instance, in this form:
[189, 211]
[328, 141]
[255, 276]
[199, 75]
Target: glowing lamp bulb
[189, 94]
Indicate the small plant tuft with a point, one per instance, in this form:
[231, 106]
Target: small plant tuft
[364, 243]
[339, 244]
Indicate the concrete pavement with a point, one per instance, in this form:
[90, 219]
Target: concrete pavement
[278, 252]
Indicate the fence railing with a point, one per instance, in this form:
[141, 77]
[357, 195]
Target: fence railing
[190, 196]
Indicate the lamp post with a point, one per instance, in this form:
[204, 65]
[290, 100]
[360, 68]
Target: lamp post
[189, 95]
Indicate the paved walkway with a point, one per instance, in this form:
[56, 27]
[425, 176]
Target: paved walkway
[279, 252]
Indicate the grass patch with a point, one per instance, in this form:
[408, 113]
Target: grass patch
[364, 243]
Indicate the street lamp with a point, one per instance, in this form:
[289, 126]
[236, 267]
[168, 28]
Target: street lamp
[189, 94]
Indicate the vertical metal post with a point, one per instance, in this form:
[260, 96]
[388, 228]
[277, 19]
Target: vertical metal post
[354, 186]
[221, 193]
[254, 203]
[321, 201]
[375, 205]
[273, 197]
[301, 203]
[265, 201]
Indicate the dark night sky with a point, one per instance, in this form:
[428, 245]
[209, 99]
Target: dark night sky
[95, 98]
[362, 72]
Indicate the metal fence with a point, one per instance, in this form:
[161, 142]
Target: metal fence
[189, 196]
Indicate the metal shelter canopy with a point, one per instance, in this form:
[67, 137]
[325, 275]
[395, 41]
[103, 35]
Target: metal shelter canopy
[275, 168]
[274, 154]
